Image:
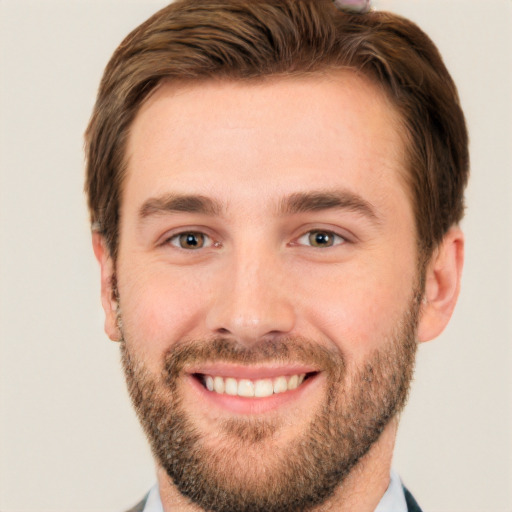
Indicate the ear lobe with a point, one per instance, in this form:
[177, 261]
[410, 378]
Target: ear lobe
[442, 285]
[108, 296]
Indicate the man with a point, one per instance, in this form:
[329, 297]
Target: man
[275, 190]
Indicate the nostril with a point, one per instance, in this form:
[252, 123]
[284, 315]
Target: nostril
[250, 319]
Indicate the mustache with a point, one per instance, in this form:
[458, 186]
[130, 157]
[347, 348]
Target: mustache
[179, 358]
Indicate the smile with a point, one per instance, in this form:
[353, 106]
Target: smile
[248, 388]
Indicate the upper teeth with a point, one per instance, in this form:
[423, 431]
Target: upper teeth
[253, 388]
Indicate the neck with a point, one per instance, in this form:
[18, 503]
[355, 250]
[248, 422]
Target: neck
[366, 484]
[361, 491]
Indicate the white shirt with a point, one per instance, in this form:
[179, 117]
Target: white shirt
[392, 501]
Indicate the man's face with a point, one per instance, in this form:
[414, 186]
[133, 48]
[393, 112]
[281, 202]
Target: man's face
[267, 247]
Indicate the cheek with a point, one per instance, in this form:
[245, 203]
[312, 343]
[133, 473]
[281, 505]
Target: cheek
[159, 308]
[360, 307]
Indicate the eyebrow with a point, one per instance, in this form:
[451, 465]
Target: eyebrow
[179, 203]
[299, 202]
[303, 202]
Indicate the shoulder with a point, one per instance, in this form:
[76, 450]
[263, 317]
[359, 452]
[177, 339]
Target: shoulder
[412, 505]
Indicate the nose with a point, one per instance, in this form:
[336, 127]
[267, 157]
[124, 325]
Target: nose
[253, 301]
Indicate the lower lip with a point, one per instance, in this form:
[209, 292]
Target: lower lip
[252, 406]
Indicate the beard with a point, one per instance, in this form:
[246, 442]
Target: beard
[240, 466]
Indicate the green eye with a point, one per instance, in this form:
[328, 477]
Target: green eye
[321, 239]
[189, 240]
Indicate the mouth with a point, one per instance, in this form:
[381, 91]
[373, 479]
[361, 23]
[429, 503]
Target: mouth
[249, 390]
[255, 387]
[223, 389]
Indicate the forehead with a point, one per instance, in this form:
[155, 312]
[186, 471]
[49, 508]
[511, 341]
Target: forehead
[278, 136]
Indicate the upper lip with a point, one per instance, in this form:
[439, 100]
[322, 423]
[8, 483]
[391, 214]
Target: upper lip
[252, 372]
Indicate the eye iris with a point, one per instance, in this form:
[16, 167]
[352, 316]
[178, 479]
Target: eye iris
[320, 239]
[191, 240]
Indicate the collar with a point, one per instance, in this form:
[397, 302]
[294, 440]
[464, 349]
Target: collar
[394, 497]
[153, 503]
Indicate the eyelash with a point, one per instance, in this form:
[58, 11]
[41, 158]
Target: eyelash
[333, 239]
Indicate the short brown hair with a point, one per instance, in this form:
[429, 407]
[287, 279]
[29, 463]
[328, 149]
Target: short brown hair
[247, 39]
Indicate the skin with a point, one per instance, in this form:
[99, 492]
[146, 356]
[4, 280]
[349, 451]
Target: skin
[249, 148]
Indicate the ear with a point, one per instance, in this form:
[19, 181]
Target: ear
[108, 296]
[442, 285]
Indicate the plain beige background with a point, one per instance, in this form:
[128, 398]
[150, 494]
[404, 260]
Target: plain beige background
[69, 440]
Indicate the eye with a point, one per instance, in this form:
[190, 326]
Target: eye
[321, 239]
[191, 240]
